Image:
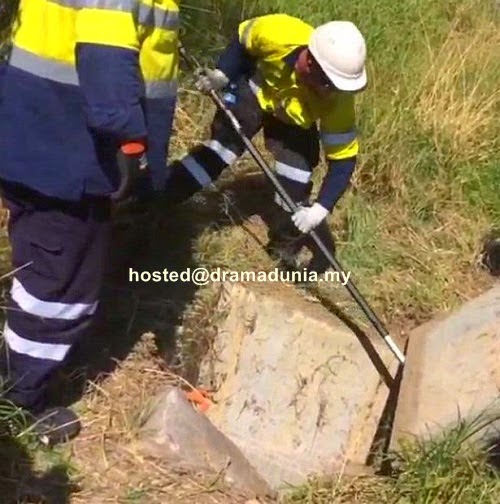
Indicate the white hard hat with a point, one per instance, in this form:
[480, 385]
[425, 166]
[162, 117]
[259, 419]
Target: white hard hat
[340, 50]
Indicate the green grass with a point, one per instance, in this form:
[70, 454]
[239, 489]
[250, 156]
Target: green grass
[426, 192]
[28, 470]
[427, 187]
[446, 469]
[8, 9]
[11, 417]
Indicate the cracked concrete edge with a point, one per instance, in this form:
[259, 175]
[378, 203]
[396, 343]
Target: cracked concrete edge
[155, 440]
[409, 406]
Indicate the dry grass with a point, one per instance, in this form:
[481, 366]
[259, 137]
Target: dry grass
[456, 105]
[406, 224]
[199, 328]
[110, 468]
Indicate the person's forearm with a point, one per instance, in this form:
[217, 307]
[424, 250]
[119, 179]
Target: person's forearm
[235, 61]
[336, 182]
[110, 81]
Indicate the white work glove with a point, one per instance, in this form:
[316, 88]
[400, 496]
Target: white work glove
[307, 218]
[212, 79]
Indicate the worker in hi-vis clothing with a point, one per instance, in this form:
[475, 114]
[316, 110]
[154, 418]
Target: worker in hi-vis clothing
[87, 86]
[283, 75]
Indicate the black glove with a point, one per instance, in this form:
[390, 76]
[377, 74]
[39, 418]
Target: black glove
[132, 165]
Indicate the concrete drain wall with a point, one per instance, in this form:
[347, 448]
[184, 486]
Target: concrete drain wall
[295, 389]
[298, 395]
[452, 371]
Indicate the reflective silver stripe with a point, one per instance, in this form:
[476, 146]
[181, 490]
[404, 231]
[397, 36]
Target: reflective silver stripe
[147, 15]
[50, 351]
[292, 173]
[255, 83]
[281, 202]
[119, 5]
[161, 88]
[229, 157]
[49, 309]
[66, 74]
[158, 18]
[43, 67]
[197, 171]
[338, 138]
[246, 32]
[254, 87]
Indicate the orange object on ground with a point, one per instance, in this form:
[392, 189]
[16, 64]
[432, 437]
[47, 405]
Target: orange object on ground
[200, 397]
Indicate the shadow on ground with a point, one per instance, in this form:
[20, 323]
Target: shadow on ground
[148, 242]
[20, 484]
[493, 450]
[152, 242]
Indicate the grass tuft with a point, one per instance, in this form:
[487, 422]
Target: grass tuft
[448, 469]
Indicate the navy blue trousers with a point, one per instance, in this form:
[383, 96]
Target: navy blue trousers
[296, 151]
[60, 249]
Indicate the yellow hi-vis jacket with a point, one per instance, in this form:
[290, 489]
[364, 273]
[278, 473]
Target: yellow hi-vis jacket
[84, 76]
[269, 39]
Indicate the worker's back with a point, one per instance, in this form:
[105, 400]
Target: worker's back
[274, 40]
[82, 77]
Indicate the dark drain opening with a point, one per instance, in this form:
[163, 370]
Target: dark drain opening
[491, 254]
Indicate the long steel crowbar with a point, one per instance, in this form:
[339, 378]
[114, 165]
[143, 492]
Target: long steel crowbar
[194, 64]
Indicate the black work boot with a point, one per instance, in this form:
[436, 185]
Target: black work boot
[285, 240]
[51, 425]
[319, 263]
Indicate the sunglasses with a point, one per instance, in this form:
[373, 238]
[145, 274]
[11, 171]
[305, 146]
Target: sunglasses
[319, 75]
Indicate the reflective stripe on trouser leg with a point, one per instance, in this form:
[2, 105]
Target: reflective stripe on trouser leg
[295, 181]
[205, 162]
[296, 153]
[297, 185]
[53, 300]
[195, 171]
[34, 348]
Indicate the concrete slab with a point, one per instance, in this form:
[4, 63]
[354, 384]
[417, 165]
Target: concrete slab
[452, 369]
[295, 389]
[185, 438]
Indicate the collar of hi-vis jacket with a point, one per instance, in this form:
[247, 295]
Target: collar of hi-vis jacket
[291, 58]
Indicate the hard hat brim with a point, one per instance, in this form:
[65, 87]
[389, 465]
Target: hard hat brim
[340, 81]
[347, 84]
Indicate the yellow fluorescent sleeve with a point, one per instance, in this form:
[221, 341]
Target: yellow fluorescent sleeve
[114, 28]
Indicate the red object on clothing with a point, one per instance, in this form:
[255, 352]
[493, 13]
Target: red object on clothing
[135, 147]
